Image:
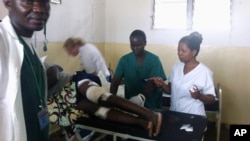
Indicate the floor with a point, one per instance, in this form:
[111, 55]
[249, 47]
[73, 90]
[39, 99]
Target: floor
[210, 135]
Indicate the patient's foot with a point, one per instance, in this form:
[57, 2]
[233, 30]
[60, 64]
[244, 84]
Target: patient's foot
[150, 129]
[157, 121]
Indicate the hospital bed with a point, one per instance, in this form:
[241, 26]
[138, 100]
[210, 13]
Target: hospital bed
[175, 125]
[173, 128]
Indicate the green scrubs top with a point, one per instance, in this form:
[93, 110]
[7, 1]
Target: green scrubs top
[134, 76]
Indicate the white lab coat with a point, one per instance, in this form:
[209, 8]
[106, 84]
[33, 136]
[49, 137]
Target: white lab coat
[11, 107]
[92, 59]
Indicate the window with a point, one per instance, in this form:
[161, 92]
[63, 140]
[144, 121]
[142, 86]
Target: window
[192, 14]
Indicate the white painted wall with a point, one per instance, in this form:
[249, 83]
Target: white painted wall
[82, 18]
[123, 16]
[3, 10]
[113, 21]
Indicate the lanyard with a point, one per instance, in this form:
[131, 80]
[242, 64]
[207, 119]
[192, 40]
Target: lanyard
[37, 80]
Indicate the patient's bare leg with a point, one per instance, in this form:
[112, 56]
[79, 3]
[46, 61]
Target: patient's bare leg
[115, 116]
[128, 106]
[123, 104]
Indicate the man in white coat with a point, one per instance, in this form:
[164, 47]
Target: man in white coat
[22, 76]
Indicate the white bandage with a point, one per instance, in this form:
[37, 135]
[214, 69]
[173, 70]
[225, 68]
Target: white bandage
[93, 93]
[138, 99]
[102, 112]
[105, 96]
[91, 83]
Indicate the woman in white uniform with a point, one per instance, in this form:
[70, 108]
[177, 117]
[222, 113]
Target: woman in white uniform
[190, 82]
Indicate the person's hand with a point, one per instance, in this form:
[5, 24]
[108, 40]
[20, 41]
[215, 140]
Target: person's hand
[157, 81]
[195, 92]
[138, 99]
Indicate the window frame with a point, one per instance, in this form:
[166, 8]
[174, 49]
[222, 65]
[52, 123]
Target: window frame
[190, 11]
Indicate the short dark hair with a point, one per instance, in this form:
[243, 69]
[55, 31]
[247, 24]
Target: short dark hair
[138, 33]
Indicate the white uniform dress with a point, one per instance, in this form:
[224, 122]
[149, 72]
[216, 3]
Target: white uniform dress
[181, 99]
[92, 60]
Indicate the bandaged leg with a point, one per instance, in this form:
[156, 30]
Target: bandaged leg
[94, 93]
[102, 112]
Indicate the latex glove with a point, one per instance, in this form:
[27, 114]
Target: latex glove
[138, 99]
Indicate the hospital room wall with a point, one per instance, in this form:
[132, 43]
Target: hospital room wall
[109, 23]
[78, 18]
[3, 10]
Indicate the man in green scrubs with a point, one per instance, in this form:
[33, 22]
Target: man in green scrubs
[135, 68]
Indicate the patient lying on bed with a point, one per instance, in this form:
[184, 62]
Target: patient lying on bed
[94, 100]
